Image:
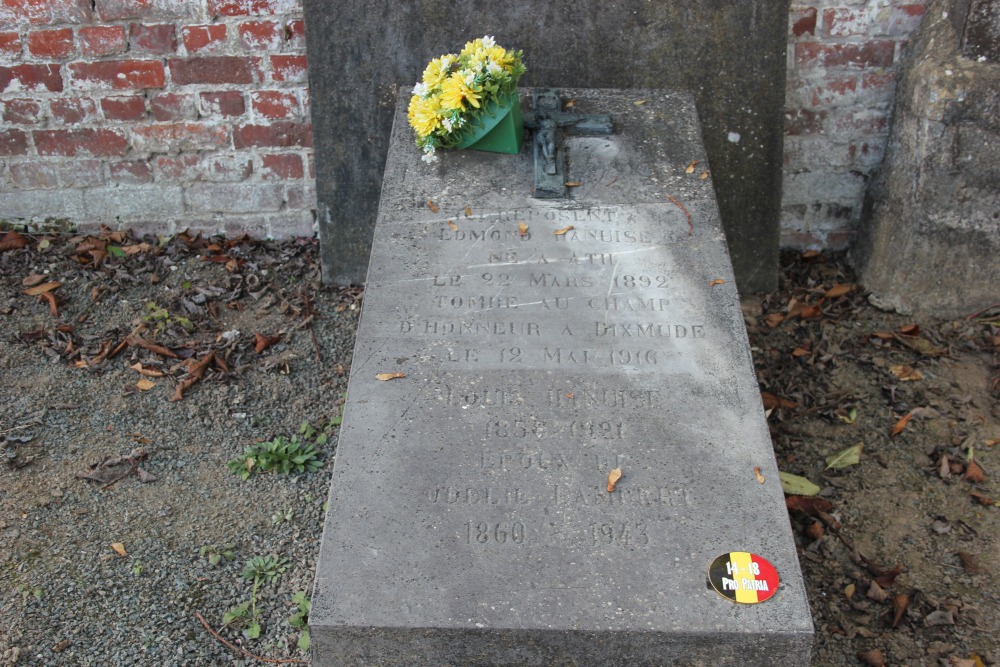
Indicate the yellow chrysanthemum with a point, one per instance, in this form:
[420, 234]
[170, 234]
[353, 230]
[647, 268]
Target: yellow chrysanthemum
[424, 115]
[500, 56]
[455, 91]
[438, 69]
[472, 47]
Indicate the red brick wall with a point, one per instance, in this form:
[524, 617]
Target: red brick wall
[166, 114]
[158, 114]
[842, 61]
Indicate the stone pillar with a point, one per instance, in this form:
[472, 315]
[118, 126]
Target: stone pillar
[930, 238]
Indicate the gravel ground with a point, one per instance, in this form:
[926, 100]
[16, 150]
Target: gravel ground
[68, 597]
[898, 559]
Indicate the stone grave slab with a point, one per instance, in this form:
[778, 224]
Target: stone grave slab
[544, 343]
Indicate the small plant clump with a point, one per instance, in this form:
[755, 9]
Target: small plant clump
[278, 455]
[300, 619]
[216, 554]
[259, 570]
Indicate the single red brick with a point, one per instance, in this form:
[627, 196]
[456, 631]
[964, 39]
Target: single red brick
[243, 7]
[34, 175]
[288, 68]
[181, 137]
[230, 168]
[223, 103]
[279, 166]
[255, 35]
[172, 106]
[102, 40]
[846, 22]
[46, 12]
[87, 141]
[903, 20]
[878, 80]
[13, 142]
[22, 111]
[274, 104]
[214, 69]
[204, 37]
[119, 74]
[131, 171]
[803, 20]
[877, 53]
[280, 134]
[295, 33]
[132, 107]
[31, 78]
[183, 167]
[10, 44]
[153, 39]
[804, 121]
[157, 10]
[50, 43]
[834, 89]
[71, 110]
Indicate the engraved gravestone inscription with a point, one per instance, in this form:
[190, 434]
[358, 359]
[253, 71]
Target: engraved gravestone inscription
[544, 344]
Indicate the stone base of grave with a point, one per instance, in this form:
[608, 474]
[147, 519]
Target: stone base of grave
[930, 241]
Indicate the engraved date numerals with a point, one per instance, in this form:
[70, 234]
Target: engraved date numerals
[619, 533]
[482, 532]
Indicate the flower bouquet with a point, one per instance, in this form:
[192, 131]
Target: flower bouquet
[469, 101]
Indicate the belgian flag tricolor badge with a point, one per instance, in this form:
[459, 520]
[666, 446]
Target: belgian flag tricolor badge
[743, 577]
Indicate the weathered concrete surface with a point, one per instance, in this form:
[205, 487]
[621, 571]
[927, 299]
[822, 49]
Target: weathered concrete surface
[931, 238]
[731, 55]
[469, 521]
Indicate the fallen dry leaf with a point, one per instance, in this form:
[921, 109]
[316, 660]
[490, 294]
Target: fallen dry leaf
[900, 602]
[390, 376]
[910, 329]
[839, 290]
[974, 473]
[51, 299]
[138, 341]
[195, 370]
[944, 467]
[144, 384]
[119, 548]
[982, 499]
[43, 288]
[969, 563]
[148, 372]
[262, 342]
[811, 505]
[560, 232]
[872, 657]
[452, 225]
[901, 424]
[717, 281]
[814, 530]
[432, 206]
[849, 591]
[522, 229]
[758, 474]
[877, 593]
[613, 477]
[704, 175]
[690, 167]
[573, 184]
[468, 212]
[771, 401]
[12, 241]
[639, 103]
[570, 103]
[33, 279]
[920, 345]
[906, 373]
[774, 319]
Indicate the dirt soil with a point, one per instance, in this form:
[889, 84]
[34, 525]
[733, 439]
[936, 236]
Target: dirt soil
[128, 387]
